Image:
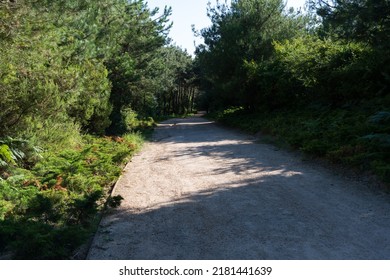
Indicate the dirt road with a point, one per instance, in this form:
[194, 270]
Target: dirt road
[199, 191]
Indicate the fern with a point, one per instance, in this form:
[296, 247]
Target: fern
[6, 156]
[15, 151]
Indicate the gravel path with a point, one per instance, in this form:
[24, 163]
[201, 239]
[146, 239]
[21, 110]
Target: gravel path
[199, 191]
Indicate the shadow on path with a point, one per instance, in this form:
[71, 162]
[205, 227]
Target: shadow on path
[241, 200]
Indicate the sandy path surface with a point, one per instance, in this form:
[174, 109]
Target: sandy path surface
[199, 191]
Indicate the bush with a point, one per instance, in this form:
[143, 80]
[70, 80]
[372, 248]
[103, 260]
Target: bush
[328, 71]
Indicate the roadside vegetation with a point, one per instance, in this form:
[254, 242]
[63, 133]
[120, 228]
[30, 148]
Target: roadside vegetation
[318, 80]
[49, 204]
[80, 83]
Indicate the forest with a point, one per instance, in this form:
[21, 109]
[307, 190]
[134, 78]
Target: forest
[82, 81]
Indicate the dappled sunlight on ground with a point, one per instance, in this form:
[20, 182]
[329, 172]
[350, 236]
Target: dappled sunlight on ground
[202, 192]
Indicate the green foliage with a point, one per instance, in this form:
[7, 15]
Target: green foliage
[240, 34]
[127, 120]
[308, 70]
[378, 141]
[177, 84]
[362, 20]
[134, 71]
[51, 134]
[6, 156]
[77, 65]
[318, 66]
[18, 152]
[92, 108]
[258, 56]
[39, 81]
[57, 201]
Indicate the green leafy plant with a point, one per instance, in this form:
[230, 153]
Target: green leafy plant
[61, 196]
[18, 152]
[6, 156]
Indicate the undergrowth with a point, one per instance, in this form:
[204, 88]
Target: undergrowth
[357, 135]
[49, 206]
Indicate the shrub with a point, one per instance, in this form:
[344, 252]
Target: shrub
[328, 71]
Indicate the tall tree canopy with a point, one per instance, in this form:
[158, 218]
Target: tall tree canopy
[70, 64]
[241, 33]
[363, 20]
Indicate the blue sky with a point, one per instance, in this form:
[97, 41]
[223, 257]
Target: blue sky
[188, 12]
